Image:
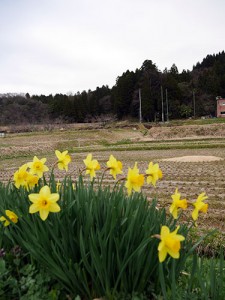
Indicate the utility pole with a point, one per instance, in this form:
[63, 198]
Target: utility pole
[140, 114]
[162, 104]
[167, 106]
[194, 102]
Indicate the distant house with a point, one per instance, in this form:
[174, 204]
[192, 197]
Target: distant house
[220, 107]
[2, 133]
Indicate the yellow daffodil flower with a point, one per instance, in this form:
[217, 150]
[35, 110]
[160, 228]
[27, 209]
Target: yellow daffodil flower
[31, 181]
[44, 202]
[199, 206]
[11, 215]
[177, 203]
[20, 176]
[170, 243]
[115, 166]
[63, 159]
[37, 166]
[154, 173]
[91, 166]
[134, 180]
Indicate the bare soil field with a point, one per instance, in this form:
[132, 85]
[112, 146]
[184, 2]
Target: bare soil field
[133, 143]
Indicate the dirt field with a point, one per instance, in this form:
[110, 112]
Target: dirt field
[131, 144]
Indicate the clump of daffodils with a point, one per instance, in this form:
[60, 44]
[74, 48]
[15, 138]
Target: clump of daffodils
[177, 204]
[44, 202]
[28, 174]
[170, 241]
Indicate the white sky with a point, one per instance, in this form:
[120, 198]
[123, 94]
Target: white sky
[62, 46]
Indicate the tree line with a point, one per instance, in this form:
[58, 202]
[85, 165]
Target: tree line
[165, 93]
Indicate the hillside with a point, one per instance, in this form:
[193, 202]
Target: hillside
[190, 93]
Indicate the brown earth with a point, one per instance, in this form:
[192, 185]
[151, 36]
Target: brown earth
[188, 131]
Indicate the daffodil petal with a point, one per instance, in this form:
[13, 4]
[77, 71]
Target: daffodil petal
[53, 197]
[195, 214]
[43, 160]
[162, 255]
[33, 208]
[173, 254]
[164, 232]
[54, 207]
[45, 191]
[33, 197]
[44, 214]
[58, 154]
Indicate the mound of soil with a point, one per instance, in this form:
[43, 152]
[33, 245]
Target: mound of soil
[193, 158]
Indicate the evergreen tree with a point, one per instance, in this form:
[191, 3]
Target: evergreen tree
[123, 93]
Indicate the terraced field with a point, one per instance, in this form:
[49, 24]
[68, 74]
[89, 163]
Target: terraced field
[131, 145]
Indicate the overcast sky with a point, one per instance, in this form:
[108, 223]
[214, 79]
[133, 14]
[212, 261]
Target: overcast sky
[62, 46]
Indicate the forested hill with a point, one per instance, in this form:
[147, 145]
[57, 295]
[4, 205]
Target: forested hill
[185, 94]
